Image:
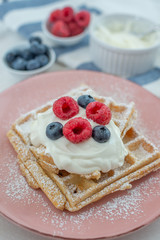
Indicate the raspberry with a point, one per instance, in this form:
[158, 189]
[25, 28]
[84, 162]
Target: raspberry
[77, 130]
[60, 29]
[55, 15]
[98, 112]
[67, 14]
[74, 28]
[77, 31]
[82, 18]
[65, 108]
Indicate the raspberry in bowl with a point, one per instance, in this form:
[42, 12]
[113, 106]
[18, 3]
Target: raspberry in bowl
[66, 27]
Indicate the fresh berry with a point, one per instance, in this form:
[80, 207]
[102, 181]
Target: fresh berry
[98, 112]
[77, 31]
[26, 54]
[84, 100]
[55, 15]
[73, 27]
[33, 64]
[83, 18]
[42, 59]
[47, 50]
[101, 134]
[65, 108]
[37, 48]
[19, 64]
[60, 29]
[77, 130]
[11, 56]
[67, 14]
[35, 39]
[54, 130]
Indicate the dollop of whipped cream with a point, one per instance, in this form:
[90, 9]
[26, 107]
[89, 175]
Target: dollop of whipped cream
[81, 158]
[119, 35]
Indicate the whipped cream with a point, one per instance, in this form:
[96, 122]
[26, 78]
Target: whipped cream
[81, 158]
[121, 36]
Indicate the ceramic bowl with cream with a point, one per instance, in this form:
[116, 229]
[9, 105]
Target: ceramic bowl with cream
[117, 48]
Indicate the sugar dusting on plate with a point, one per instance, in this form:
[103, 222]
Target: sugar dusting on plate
[122, 206]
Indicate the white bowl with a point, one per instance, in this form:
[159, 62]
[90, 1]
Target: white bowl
[122, 61]
[61, 41]
[28, 73]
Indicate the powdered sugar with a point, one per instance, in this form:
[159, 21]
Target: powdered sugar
[117, 206]
[14, 184]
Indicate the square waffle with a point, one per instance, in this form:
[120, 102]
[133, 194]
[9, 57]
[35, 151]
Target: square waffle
[73, 191]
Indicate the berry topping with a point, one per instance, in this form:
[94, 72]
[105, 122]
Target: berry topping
[101, 134]
[42, 59]
[65, 108]
[19, 64]
[55, 15]
[98, 112]
[77, 130]
[35, 39]
[60, 29]
[67, 14]
[54, 130]
[33, 64]
[84, 100]
[82, 18]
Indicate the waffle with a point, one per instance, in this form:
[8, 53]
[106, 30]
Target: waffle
[73, 191]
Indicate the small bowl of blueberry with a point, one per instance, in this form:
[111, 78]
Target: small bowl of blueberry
[29, 58]
[66, 26]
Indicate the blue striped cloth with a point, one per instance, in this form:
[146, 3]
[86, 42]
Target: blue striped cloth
[25, 17]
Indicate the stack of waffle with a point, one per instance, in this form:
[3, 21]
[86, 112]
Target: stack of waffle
[72, 191]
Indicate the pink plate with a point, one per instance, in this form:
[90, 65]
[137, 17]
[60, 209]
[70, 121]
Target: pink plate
[116, 214]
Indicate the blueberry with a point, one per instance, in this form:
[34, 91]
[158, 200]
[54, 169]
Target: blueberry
[46, 50]
[19, 64]
[54, 130]
[35, 39]
[33, 64]
[101, 134]
[84, 100]
[26, 54]
[11, 56]
[42, 59]
[37, 48]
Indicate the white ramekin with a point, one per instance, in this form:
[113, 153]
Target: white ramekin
[120, 61]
